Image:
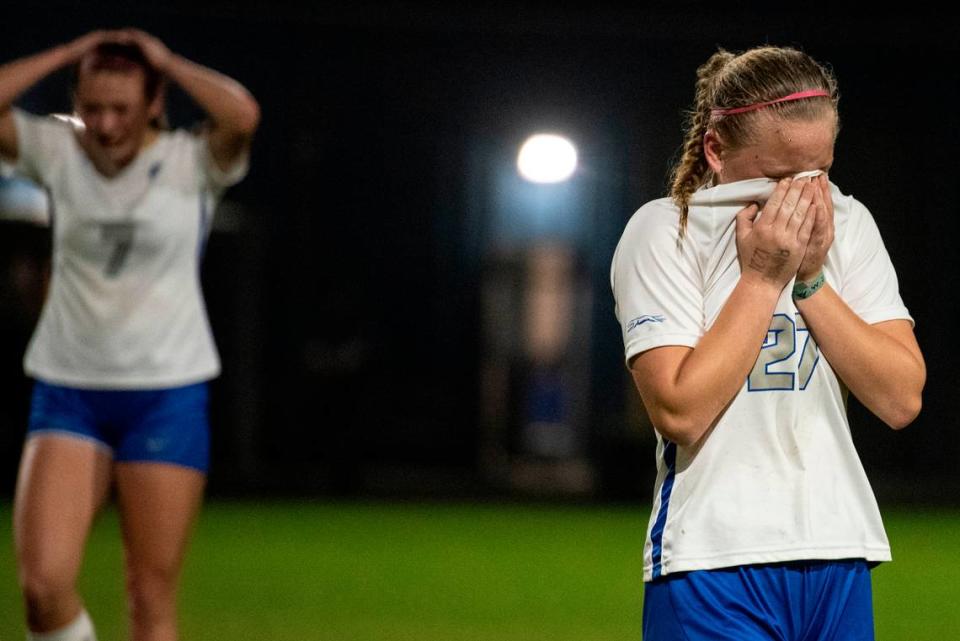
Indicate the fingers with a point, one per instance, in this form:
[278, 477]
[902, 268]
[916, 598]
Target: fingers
[112, 36]
[153, 48]
[825, 215]
[810, 221]
[790, 205]
[748, 213]
[794, 230]
[820, 206]
[798, 200]
[827, 197]
[825, 211]
[94, 38]
[776, 200]
[803, 209]
[126, 36]
[790, 198]
[816, 233]
[86, 43]
[745, 219]
[132, 36]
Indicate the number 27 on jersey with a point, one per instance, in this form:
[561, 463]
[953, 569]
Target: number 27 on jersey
[773, 369]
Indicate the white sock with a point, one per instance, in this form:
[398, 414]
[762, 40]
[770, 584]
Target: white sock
[80, 629]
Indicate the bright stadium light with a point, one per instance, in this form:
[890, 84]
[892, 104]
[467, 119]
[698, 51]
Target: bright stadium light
[547, 158]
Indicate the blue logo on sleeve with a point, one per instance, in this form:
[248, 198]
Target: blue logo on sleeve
[640, 320]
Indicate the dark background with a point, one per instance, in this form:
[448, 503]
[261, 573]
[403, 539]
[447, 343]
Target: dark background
[344, 280]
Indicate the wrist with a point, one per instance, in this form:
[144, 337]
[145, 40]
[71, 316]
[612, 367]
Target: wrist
[64, 54]
[809, 275]
[169, 65]
[805, 288]
[759, 284]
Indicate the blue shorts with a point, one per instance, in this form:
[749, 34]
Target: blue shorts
[803, 601]
[168, 425]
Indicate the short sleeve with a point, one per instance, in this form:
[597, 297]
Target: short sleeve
[869, 284]
[41, 144]
[656, 284]
[215, 175]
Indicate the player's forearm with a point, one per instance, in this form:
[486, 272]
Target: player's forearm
[887, 375]
[19, 75]
[230, 106]
[712, 374]
[15, 78]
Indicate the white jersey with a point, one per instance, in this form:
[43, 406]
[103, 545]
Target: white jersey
[124, 309]
[778, 477]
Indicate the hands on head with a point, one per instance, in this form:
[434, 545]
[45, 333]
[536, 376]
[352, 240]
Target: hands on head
[792, 236]
[156, 53]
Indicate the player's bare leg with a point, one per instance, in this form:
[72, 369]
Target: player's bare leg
[158, 503]
[63, 481]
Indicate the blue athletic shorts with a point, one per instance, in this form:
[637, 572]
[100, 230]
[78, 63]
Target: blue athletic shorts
[803, 601]
[167, 425]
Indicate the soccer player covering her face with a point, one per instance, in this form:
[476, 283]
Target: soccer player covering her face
[123, 351]
[751, 300]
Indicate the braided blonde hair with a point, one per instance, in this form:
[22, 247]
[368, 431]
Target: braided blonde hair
[728, 80]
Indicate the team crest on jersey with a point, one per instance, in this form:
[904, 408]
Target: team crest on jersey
[640, 320]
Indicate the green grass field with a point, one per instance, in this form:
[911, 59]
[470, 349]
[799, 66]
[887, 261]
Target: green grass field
[302, 571]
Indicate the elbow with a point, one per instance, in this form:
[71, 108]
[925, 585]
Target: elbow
[243, 116]
[906, 406]
[249, 118]
[684, 430]
[903, 413]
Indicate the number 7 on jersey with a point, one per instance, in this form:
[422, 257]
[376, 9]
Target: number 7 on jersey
[119, 238]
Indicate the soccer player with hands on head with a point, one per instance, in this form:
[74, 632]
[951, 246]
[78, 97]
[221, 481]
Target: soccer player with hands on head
[122, 353]
[750, 302]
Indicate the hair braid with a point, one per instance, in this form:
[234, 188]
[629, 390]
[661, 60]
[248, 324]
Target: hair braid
[692, 171]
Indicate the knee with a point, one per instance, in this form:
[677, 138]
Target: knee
[44, 587]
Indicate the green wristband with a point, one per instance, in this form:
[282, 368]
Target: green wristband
[803, 290]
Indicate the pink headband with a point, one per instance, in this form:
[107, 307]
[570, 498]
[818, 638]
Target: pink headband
[809, 93]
